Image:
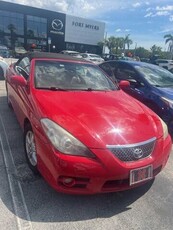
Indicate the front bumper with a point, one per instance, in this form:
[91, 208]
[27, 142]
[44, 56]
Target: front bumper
[90, 176]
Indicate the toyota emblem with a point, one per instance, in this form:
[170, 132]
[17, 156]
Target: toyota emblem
[57, 24]
[137, 153]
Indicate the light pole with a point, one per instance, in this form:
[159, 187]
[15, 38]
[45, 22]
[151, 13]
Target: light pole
[104, 47]
[49, 43]
[135, 48]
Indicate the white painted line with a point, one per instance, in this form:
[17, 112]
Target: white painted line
[20, 207]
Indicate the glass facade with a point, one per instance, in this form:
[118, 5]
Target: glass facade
[11, 28]
[11, 22]
[36, 27]
[36, 32]
[82, 48]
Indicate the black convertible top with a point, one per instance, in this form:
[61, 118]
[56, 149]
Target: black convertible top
[47, 55]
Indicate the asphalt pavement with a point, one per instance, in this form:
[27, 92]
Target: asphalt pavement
[28, 202]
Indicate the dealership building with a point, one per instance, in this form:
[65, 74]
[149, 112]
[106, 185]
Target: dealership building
[34, 28]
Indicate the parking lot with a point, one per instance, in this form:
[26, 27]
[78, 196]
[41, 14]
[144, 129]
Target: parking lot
[28, 202]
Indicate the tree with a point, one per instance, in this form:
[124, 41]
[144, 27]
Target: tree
[110, 43]
[142, 52]
[169, 39]
[127, 41]
[119, 44]
[156, 50]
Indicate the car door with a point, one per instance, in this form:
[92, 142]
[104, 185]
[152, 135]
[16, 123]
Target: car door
[21, 93]
[138, 87]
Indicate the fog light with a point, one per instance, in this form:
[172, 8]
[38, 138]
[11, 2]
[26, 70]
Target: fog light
[68, 181]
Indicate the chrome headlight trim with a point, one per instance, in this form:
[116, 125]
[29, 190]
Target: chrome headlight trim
[63, 141]
[165, 128]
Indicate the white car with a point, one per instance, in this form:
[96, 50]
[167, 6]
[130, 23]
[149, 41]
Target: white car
[167, 64]
[92, 57]
[3, 68]
[4, 63]
[71, 53]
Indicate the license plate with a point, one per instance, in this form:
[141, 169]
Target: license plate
[141, 174]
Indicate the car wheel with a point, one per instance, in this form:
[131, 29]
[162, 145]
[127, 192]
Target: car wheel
[30, 148]
[1, 74]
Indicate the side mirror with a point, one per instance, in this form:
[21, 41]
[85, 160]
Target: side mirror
[19, 80]
[124, 84]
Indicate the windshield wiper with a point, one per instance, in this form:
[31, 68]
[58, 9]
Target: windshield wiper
[91, 89]
[157, 85]
[52, 88]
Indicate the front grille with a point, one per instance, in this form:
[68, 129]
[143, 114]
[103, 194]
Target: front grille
[133, 152]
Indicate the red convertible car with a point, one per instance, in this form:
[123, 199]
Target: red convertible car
[81, 131]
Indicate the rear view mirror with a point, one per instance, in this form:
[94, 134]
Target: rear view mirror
[21, 71]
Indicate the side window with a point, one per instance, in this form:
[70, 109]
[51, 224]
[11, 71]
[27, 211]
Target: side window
[107, 69]
[127, 73]
[84, 55]
[162, 61]
[23, 67]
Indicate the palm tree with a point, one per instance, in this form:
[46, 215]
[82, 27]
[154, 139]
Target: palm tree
[169, 39]
[156, 49]
[127, 41]
[110, 43]
[118, 43]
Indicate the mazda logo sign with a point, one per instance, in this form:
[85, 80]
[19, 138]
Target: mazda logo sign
[137, 153]
[57, 24]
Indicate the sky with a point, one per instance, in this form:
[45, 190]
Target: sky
[146, 22]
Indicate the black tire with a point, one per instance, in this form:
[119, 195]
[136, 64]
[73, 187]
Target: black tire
[1, 74]
[30, 148]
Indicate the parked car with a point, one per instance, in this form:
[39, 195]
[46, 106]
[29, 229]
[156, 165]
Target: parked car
[71, 53]
[92, 57]
[3, 68]
[81, 132]
[150, 84]
[19, 51]
[4, 51]
[167, 64]
[107, 57]
[145, 60]
[4, 64]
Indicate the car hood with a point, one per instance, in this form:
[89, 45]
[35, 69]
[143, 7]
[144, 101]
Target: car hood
[98, 118]
[166, 92]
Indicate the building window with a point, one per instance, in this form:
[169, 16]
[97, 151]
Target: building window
[36, 27]
[11, 23]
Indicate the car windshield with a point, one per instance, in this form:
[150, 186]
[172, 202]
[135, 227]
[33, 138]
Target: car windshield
[155, 75]
[59, 75]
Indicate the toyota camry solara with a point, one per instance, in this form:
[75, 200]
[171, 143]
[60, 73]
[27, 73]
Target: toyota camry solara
[81, 132]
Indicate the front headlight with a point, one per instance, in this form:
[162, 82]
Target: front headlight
[168, 102]
[64, 141]
[165, 128]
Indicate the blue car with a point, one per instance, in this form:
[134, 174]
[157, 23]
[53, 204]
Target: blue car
[150, 84]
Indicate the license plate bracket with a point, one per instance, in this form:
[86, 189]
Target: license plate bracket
[141, 174]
